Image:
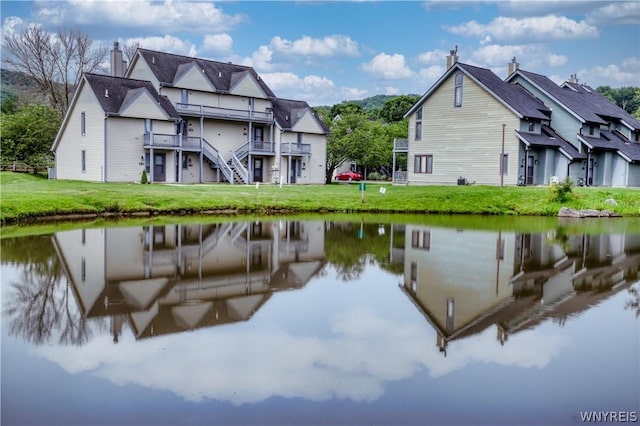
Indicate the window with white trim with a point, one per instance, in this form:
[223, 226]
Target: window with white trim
[83, 160]
[457, 98]
[83, 123]
[418, 124]
[505, 165]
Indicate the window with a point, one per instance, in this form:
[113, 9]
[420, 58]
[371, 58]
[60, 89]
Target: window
[83, 269]
[421, 240]
[83, 159]
[258, 133]
[184, 96]
[419, 124]
[147, 162]
[532, 126]
[504, 167]
[299, 138]
[83, 123]
[423, 164]
[457, 101]
[147, 125]
[185, 161]
[414, 276]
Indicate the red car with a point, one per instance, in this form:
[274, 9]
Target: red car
[349, 176]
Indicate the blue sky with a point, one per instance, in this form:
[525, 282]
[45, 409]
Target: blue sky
[325, 52]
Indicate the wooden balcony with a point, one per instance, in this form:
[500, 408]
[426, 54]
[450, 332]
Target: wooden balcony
[291, 148]
[224, 113]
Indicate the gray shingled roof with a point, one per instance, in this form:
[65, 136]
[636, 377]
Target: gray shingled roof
[118, 89]
[515, 96]
[613, 141]
[222, 75]
[548, 138]
[583, 100]
[287, 112]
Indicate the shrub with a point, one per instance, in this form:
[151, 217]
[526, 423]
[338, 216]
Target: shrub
[143, 179]
[562, 191]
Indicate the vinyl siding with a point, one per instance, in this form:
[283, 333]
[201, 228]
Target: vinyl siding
[143, 106]
[125, 149]
[307, 124]
[465, 141]
[247, 86]
[72, 142]
[194, 79]
[141, 71]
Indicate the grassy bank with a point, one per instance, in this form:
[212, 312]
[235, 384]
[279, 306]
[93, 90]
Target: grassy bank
[26, 197]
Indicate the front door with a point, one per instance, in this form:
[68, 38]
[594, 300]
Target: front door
[257, 169]
[295, 170]
[159, 167]
[530, 161]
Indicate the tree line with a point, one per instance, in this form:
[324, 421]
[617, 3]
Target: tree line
[361, 131]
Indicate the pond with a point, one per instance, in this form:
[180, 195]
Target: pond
[322, 320]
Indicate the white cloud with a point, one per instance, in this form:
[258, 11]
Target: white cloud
[555, 61]
[167, 16]
[167, 43]
[529, 29]
[351, 362]
[11, 26]
[616, 75]
[433, 57]
[332, 45]
[389, 90]
[218, 43]
[391, 67]
[617, 13]
[530, 56]
[351, 93]
[312, 88]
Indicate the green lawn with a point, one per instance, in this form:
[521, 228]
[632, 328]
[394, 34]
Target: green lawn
[24, 197]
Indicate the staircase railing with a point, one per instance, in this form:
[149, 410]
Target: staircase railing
[238, 155]
[214, 156]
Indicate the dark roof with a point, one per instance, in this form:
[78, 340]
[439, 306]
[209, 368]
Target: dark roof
[614, 141]
[118, 88]
[550, 139]
[223, 75]
[515, 96]
[287, 112]
[584, 101]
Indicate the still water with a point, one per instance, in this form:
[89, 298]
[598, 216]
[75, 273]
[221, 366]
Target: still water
[322, 321]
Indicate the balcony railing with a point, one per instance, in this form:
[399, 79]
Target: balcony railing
[161, 140]
[265, 147]
[399, 177]
[291, 148]
[401, 145]
[224, 113]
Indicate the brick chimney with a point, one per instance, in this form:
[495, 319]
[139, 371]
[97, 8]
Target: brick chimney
[513, 66]
[118, 65]
[452, 58]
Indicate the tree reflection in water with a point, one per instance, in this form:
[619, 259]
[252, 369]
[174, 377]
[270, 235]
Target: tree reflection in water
[40, 306]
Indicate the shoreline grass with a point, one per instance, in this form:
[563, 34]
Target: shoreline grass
[27, 198]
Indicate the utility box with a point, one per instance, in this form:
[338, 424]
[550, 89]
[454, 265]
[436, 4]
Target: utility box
[462, 181]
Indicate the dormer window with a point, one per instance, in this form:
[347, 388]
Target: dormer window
[457, 98]
[532, 126]
[592, 130]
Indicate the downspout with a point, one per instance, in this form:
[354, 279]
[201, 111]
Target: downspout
[104, 177]
[201, 144]
[586, 169]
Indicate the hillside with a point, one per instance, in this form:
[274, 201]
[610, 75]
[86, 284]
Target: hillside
[20, 85]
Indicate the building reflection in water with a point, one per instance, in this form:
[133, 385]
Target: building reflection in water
[171, 278]
[466, 281]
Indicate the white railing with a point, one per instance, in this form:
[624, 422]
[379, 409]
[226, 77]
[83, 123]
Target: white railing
[224, 113]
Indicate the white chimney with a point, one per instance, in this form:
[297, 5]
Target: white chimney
[513, 66]
[452, 58]
[118, 65]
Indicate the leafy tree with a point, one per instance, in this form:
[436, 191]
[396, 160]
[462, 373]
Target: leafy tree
[627, 98]
[346, 141]
[345, 108]
[54, 62]
[9, 104]
[27, 135]
[395, 108]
